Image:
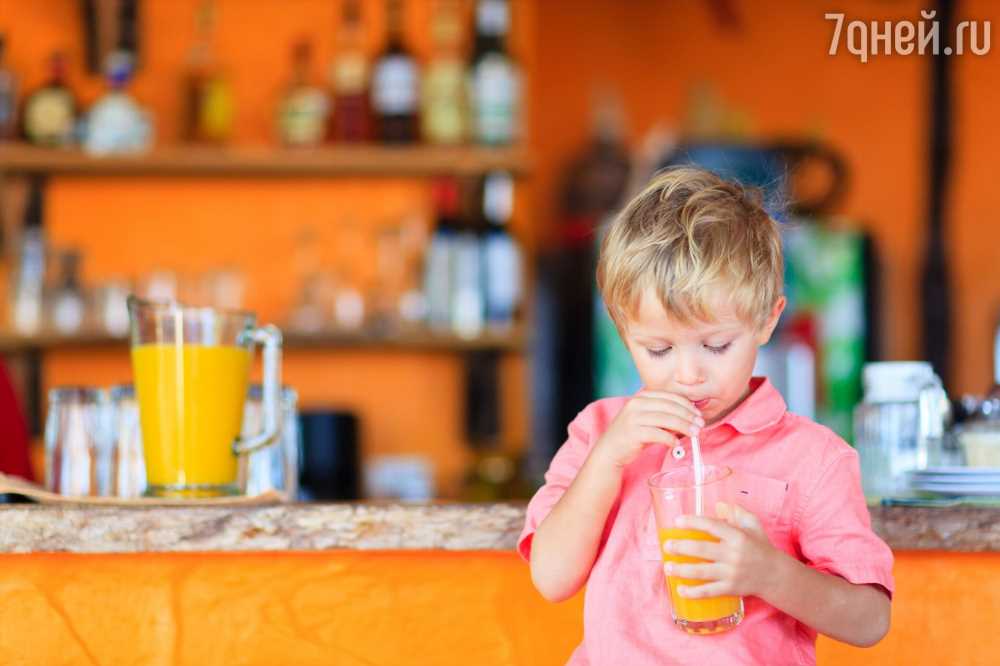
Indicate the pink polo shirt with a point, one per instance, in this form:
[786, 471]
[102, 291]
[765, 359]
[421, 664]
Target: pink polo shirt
[800, 479]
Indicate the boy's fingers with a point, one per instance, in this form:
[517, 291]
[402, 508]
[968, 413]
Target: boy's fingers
[705, 550]
[713, 589]
[672, 422]
[746, 519]
[652, 435]
[709, 571]
[714, 527]
[737, 516]
[670, 397]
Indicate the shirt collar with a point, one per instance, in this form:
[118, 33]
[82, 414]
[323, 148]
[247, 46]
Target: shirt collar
[763, 408]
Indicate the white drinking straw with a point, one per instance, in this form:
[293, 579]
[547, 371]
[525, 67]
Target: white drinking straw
[699, 476]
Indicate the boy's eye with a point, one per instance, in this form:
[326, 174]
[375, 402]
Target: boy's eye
[718, 350]
[656, 353]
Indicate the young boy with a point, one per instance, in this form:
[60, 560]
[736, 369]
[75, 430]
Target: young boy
[691, 273]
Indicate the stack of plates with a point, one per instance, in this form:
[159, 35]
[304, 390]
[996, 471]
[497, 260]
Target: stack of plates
[980, 481]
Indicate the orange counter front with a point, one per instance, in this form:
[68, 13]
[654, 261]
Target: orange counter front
[368, 608]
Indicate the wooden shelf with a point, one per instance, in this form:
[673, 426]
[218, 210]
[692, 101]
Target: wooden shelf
[361, 160]
[512, 341]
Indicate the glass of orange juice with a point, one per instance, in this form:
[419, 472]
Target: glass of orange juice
[678, 492]
[191, 367]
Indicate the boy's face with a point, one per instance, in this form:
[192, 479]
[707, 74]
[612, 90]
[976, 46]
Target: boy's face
[709, 363]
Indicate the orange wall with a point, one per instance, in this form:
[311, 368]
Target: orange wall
[407, 402]
[384, 608]
[776, 68]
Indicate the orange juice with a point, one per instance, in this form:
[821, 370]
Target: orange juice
[695, 610]
[191, 408]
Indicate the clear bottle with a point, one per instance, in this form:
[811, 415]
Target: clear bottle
[468, 307]
[302, 113]
[440, 255]
[8, 97]
[494, 77]
[502, 254]
[350, 119]
[49, 117]
[444, 109]
[395, 84]
[68, 302]
[116, 123]
[29, 282]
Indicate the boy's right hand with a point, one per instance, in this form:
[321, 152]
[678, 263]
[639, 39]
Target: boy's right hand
[650, 417]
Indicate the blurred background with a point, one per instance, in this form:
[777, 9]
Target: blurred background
[413, 191]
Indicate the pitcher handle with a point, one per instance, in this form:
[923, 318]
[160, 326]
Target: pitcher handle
[270, 338]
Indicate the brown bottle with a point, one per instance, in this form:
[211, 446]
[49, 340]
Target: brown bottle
[351, 117]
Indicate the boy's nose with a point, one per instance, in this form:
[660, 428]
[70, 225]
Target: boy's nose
[688, 372]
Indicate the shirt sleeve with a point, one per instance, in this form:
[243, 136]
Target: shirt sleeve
[563, 469]
[835, 534]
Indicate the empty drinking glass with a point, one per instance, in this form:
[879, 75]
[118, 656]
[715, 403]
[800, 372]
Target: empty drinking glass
[78, 442]
[128, 468]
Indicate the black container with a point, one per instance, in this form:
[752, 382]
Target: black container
[330, 467]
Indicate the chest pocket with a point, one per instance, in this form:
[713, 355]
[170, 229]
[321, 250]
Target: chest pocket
[760, 495]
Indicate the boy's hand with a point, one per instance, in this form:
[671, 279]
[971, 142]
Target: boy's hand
[741, 563]
[650, 417]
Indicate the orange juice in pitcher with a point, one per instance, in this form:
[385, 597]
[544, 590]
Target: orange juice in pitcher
[188, 430]
[191, 369]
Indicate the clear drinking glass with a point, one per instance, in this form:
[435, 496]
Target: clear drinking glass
[191, 369]
[128, 468]
[77, 442]
[677, 493]
[273, 467]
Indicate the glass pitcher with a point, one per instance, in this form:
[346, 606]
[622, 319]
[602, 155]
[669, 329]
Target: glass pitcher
[191, 367]
[899, 426]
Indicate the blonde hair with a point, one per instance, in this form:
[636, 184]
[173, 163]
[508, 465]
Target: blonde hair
[691, 236]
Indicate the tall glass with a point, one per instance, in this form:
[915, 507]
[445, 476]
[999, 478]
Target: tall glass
[191, 368]
[676, 493]
[77, 442]
[128, 469]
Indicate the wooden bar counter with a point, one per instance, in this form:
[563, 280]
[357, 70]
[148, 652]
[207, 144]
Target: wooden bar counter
[391, 584]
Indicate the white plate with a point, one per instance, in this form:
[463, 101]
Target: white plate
[948, 478]
[959, 471]
[991, 489]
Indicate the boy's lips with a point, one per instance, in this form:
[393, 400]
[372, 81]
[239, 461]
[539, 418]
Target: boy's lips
[700, 404]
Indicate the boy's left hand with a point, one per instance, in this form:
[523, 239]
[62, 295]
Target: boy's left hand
[741, 563]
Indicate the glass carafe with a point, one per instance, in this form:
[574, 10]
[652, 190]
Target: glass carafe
[191, 368]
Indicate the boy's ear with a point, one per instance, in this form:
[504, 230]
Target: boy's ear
[764, 334]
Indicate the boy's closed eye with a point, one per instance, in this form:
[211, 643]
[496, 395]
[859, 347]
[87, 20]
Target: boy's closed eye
[715, 349]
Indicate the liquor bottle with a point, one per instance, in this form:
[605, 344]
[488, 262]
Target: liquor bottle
[50, 112]
[395, 84]
[208, 97]
[501, 252]
[443, 92]
[468, 309]
[68, 305]
[439, 256]
[350, 120]
[116, 123]
[8, 97]
[494, 78]
[29, 282]
[302, 113]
